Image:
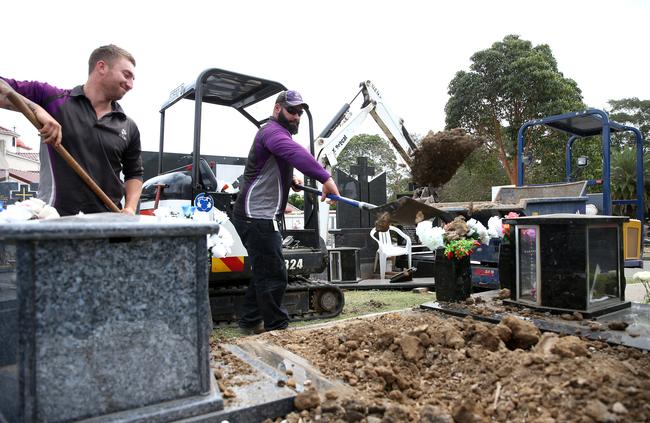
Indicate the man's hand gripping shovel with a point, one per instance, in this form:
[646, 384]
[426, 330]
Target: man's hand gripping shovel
[22, 107]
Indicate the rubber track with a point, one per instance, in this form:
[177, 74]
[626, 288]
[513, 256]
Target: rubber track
[295, 284]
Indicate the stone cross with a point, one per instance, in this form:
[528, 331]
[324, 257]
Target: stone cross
[23, 193]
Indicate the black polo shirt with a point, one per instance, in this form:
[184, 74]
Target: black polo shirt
[104, 148]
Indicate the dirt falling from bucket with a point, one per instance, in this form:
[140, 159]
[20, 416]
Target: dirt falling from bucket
[437, 159]
[440, 155]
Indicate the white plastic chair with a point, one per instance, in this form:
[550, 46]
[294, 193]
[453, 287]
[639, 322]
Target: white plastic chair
[387, 249]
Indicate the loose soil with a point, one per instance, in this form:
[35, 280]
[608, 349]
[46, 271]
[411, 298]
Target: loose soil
[229, 371]
[420, 366]
[439, 156]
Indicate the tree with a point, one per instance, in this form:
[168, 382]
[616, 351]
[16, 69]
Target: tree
[623, 181]
[632, 112]
[380, 155]
[297, 200]
[474, 179]
[508, 84]
[636, 113]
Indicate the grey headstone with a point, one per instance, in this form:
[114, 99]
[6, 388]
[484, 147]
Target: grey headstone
[113, 320]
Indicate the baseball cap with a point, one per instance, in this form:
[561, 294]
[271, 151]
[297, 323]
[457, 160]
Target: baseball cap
[291, 98]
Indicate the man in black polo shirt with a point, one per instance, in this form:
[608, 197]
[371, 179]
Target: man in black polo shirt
[91, 125]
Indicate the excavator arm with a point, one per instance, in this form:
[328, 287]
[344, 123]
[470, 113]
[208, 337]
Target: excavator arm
[340, 130]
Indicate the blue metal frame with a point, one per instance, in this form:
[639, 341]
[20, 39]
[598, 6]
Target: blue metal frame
[606, 128]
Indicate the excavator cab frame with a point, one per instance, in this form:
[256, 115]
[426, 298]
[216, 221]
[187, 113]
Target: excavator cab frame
[304, 251]
[224, 88]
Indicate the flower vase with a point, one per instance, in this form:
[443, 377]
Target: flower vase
[506, 265]
[453, 278]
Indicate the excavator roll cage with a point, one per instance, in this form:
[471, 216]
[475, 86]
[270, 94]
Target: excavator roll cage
[224, 88]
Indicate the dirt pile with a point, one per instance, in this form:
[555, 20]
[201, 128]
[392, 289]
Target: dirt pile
[423, 367]
[439, 156]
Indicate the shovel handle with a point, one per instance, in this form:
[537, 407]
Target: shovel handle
[354, 203]
[20, 105]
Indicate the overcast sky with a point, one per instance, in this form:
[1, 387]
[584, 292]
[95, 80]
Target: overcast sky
[409, 49]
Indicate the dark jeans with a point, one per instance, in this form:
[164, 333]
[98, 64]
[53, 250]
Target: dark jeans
[263, 299]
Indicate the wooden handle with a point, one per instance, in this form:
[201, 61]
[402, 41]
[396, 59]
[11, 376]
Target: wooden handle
[20, 105]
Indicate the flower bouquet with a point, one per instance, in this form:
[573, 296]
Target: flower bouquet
[497, 229]
[459, 238]
[219, 244]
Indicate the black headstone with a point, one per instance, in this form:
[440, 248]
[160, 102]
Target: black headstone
[5, 191]
[377, 191]
[346, 215]
[12, 192]
[361, 189]
[567, 262]
[22, 193]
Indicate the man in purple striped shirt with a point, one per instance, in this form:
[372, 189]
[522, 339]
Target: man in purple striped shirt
[260, 205]
[93, 128]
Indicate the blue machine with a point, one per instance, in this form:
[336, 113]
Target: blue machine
[578, 125]
[485, 265]
[588, 123]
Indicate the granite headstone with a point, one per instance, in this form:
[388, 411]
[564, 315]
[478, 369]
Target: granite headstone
[113, 320]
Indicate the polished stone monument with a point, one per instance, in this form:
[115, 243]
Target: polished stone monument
[569, 262]
[112, 318]
[353, 224]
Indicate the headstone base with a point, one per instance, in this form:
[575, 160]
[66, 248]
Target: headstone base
[168, 411]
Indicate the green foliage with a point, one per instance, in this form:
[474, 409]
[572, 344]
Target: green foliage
[460, 248]
[380, 156]
[590, 147]
[297, 200]
[508, 84]
[357, 303]
[474, 179]
[632, 112]
[623, 180]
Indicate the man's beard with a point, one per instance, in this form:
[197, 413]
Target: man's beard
[292, 127]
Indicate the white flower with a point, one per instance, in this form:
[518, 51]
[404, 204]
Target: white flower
[471, 225]
[201, 216]
[15, 213]
[48, 212]
[219, 216]
[431, 237]
[220, 244]
[163, 212]
[32, 208]
[219, 251]
[476, 227]
[495, 227]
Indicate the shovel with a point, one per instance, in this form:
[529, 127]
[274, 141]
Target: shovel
[20, 105]
[349, 201]
[402, 211]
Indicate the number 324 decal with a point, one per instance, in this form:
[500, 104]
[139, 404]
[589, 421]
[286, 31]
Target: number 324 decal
[293, 264]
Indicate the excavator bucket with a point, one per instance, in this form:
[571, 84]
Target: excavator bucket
[402, 211]
[405, 209]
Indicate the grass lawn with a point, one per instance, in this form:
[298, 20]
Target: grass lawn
[357, 303]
